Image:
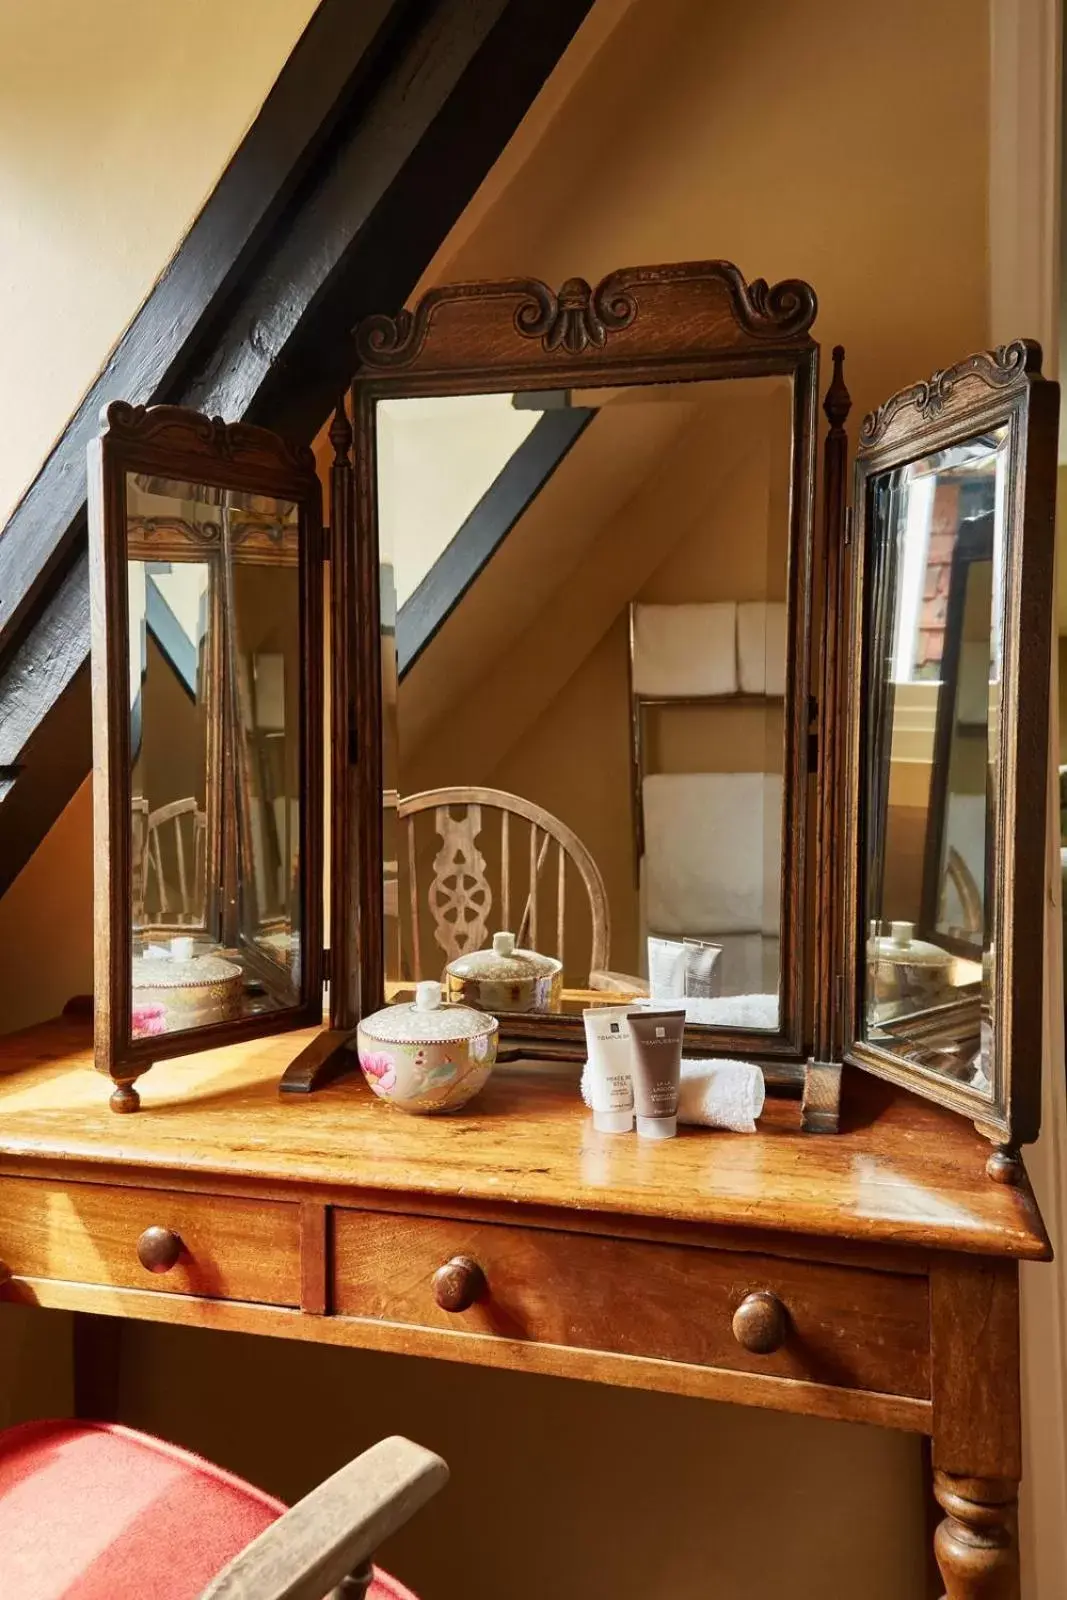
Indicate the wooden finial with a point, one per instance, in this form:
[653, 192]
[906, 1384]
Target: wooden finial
[125, 1099]
[838, 401]
[341, 431]
[1005, 1166]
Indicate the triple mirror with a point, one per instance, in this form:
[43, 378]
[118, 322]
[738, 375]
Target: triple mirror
[576, 738]
[589, 569]
[206, 591]
[951, 629]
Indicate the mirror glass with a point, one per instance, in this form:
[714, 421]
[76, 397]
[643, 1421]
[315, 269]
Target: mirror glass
[213, 586]
[936, 590]
[584, 637]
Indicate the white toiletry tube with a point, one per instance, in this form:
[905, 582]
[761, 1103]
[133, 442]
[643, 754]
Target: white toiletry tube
[611, 1089]
[703, 973]
[666, 968]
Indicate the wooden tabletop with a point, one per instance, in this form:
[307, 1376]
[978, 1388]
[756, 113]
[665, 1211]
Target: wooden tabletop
[902, 1172]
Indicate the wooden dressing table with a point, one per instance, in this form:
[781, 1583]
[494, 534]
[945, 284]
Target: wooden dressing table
[650, 440]
[871, 1277]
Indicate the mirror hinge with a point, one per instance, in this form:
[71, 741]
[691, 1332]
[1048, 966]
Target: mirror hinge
[848, 525]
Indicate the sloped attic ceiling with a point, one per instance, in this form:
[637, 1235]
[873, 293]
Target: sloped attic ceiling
[376, 135]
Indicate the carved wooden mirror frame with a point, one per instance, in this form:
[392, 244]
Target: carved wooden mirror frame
[170, 442]
[650, 325]
[992, 389]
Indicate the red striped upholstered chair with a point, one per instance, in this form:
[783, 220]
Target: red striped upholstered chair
[93, 1511]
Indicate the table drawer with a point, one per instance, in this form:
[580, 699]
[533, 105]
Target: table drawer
[842, 1326]
[89, 1233]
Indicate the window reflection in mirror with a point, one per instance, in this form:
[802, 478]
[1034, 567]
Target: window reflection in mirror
[583, 598]
[214, 651]
[933, 711]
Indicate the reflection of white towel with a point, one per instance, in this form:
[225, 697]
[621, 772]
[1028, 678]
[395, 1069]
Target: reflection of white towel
[761, 647]
[727, 1010]
[684, 650]
[749, 963]
[712, 860]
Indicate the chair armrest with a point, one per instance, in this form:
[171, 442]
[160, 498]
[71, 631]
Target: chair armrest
[617, 983]
[336, 1528]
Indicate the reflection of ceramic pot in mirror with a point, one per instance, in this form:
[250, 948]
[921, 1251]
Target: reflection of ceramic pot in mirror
[907, 974]
[506, 978]
[178, 991]
[427, 1056]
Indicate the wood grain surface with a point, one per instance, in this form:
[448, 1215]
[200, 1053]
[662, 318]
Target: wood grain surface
[863, 1330]
[231, 1249]
[516, 1355]
[902, 1173]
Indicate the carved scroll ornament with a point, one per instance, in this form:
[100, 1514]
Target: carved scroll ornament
[1008, 364]
[580, 318]
[178, 427]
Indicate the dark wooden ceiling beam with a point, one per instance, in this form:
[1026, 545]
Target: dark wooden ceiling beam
[377, 134]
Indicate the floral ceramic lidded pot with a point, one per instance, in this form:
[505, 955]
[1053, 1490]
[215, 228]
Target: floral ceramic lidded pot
[427, 1057]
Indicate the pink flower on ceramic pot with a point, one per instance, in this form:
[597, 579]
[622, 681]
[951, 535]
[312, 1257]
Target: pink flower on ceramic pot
[148, 1021]
[380, 1072]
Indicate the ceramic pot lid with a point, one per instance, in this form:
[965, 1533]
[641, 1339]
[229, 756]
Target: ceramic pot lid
[902, 949]
[426, 1021]
[153, 972]
[503, 963]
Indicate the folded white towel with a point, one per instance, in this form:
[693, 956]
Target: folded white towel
[761, 647]
[712, 861]
[684, 649]
[714, 1094]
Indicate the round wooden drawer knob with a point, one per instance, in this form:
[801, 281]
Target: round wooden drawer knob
[458, 1284]
[159, 1249]
[761, 1323]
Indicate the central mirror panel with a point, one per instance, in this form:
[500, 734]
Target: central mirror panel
[585, 623]
[213, 587]
[933, 746]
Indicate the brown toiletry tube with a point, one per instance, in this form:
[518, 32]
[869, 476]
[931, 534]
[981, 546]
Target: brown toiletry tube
[656, 1065]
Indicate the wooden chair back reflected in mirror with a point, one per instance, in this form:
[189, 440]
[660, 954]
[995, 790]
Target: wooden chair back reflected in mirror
[467, 879]
[175, 867]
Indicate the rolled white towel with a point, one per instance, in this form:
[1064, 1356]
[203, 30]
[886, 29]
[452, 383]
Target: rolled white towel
[721, 1094]
[714, 1094]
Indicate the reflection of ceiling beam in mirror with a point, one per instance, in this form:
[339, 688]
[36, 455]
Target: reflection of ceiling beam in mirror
[172, 638]
[520, 480]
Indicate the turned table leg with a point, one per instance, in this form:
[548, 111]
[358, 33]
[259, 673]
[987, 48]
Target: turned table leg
[977, 1450]
[975, 1544]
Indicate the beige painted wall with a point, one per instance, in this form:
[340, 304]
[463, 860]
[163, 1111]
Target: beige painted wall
[778, 140]
[115, 121]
